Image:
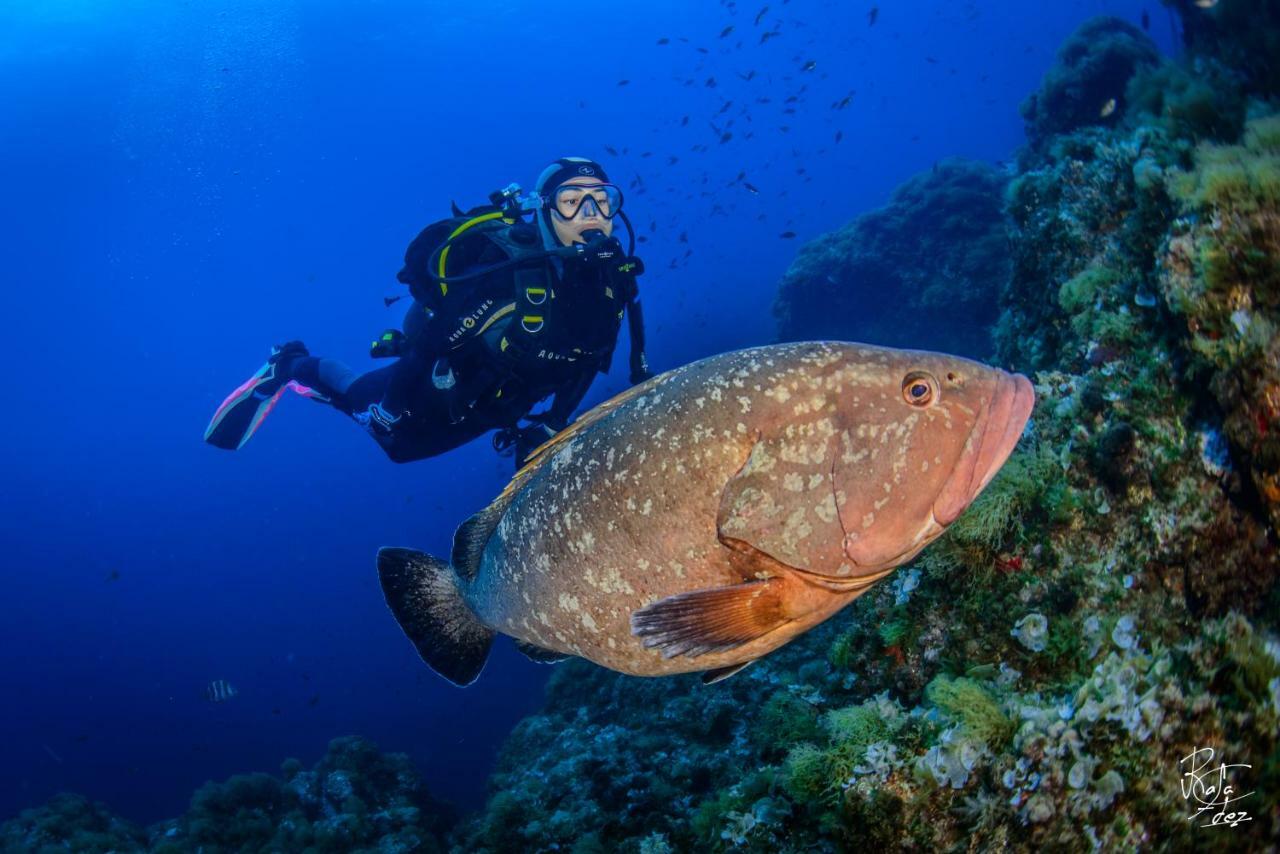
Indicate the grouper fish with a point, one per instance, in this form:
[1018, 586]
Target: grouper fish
[713, 513]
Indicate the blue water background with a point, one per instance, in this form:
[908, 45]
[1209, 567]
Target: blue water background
[185, 183]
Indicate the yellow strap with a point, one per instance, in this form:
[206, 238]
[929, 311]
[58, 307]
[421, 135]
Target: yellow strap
[502, 312]
[444, 288]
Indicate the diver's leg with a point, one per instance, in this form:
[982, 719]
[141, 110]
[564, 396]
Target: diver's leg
[421, 428]
[323, 380]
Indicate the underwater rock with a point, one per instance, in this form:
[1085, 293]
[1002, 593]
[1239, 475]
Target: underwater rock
[355, 799]
[70, 823]
[922, 272]
[1092, 73]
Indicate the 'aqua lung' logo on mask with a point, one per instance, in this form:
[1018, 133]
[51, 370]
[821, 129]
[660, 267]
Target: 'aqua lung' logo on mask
[586, 170]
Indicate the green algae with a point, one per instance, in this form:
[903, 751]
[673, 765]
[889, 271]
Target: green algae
[977, 711]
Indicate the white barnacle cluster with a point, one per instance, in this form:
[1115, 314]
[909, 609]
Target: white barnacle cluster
[953, 759]
[904, 584]
[879, 762]
[1032, 631]
[1130, 695]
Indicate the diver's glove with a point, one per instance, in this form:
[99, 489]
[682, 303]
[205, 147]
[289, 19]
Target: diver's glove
[387, 345]
[640, 369]
[521, 441]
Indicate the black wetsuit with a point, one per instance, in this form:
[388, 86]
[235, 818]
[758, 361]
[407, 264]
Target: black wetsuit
[504, 352]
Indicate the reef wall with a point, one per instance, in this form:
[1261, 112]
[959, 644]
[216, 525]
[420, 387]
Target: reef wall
[1106, 609]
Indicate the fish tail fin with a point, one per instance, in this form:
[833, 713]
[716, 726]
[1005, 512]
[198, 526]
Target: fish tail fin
[424, 595]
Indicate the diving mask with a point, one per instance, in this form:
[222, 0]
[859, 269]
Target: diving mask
[604, 200]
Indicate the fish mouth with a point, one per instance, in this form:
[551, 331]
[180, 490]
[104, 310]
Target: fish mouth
[992, 440]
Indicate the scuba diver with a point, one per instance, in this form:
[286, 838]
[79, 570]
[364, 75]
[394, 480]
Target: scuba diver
[505, 314]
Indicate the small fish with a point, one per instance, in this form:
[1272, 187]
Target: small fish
[787, 235]
[664, 40]
[612, 151]
[219, 691]
[810, 65]
[760, 15]
[684, 237]
[711, 83]
[113, 575]
[1107, 108]
[684, 121]
[623, 82]
[725, 108]
[725, 137]
[792, 99]
[314, 701]
[725, 32]
[764, 37]
[873, 15]
[672, 160]
[387, 302]
[748, 76]
[751, 188]
[1146, 20]
[839, 136]
[703, 50]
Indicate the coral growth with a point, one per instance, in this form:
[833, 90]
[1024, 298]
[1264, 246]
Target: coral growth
[1221, 277]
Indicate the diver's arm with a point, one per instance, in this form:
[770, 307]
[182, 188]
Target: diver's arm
[567, 398]
[635, 327]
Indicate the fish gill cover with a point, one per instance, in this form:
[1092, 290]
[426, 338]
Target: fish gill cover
[1040, 676]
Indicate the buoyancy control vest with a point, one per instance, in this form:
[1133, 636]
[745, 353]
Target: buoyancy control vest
[512, 316]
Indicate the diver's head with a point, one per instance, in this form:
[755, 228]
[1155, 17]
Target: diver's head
[576, 198]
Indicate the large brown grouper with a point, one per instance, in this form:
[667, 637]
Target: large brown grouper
[708, 516]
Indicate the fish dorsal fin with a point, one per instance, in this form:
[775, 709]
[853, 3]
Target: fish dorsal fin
[472, 535]
[539, 654]
[542, 453]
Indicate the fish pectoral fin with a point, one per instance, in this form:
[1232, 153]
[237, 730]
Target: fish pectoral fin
[720, 674]
[540, 654]
[713, 620]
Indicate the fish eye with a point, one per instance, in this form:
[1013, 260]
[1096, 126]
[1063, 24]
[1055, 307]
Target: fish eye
[919, 389]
